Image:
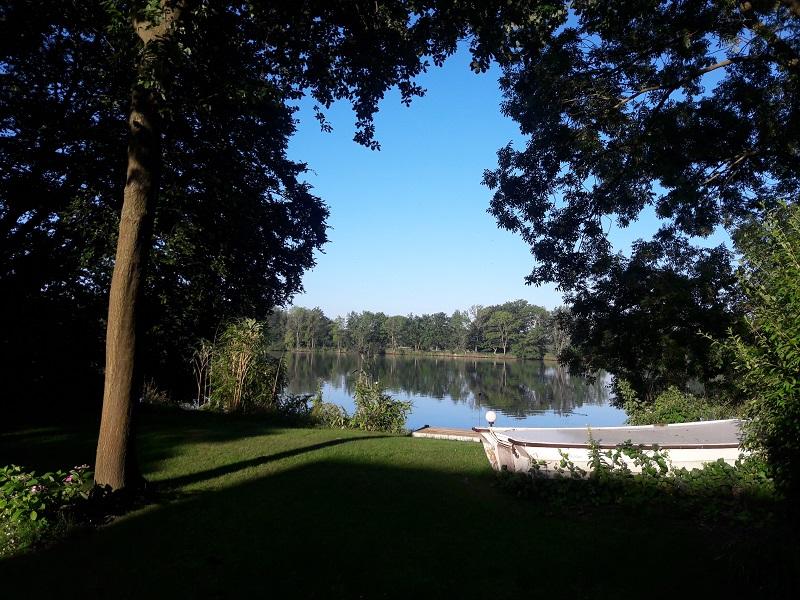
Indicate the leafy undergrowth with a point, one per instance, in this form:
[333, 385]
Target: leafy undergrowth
[718, 495]
[251, 509]
[35, 507]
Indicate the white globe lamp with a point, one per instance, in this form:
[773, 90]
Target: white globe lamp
[491, 417]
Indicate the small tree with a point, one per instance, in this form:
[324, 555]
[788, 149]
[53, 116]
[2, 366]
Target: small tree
[768, 356]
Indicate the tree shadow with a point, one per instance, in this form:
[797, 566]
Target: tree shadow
[227, 469]
[346, 524]
[161, 434]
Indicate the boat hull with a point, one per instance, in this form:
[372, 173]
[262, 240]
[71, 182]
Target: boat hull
[524, 450]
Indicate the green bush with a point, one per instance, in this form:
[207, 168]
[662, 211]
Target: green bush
[743, 491]
[376, 410]
[33, 505]
[294, 408]
[328, 414]
[671, 406]
[767, 358]
[333, 416]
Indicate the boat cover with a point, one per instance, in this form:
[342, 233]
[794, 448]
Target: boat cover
[704, 434]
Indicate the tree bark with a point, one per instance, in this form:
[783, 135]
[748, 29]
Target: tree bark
[115, 464]
[116, 461]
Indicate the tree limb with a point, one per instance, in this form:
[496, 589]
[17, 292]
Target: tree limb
[721, 64]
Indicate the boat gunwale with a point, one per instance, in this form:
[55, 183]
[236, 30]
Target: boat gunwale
[585, 446]
[613, 446]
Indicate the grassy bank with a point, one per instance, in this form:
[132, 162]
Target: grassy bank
[246, 508]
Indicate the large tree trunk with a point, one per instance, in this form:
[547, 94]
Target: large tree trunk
[116, 461]
[115, 464]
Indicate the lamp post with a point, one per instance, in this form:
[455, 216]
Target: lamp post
[491, 417]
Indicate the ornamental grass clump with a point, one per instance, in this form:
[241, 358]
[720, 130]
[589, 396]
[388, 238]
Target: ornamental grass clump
[236, 373]
[36, 506]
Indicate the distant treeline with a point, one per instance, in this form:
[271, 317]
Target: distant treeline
[517, 327]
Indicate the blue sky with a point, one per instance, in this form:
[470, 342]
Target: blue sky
[409, 228]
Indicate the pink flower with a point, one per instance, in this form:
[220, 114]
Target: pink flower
[68, 479]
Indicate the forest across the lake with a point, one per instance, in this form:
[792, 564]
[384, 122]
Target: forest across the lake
[515, 328]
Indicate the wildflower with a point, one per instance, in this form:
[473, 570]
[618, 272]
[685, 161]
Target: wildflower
[68, 479]
[37, 489]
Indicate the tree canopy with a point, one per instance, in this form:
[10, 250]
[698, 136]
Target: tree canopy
[235, 228]
[235, 225]
[688, 109]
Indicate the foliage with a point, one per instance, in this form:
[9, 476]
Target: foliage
[766, 357]
[718, 491]
[293, 408]
[305, 327]
[243, 376]
[32, 505]
[499, 328]
[671, 406]
[328, 414]
[376, 410]
[630, 108]
[654, 319]
[152, 394]
[65, 94]
[529, 331]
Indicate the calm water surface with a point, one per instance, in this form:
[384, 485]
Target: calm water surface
[456, 392]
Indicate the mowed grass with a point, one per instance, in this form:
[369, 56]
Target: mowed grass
[248, 509]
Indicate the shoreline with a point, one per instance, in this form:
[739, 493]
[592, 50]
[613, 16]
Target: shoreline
[426, 354]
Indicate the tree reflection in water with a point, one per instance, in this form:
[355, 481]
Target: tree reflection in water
[518, 389]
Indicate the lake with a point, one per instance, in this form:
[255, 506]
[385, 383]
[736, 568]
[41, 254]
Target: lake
[457, 392]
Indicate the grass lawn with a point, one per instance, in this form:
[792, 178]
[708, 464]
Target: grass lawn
[252, 509]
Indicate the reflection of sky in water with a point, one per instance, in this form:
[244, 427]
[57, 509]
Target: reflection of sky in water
[457, 392]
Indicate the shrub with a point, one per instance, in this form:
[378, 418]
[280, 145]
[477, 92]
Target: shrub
[328, 414]
[294, 408]
[671, 406]
[152, 394]
[33, 506]
[376, 410]
[767, 357]
[717, 491]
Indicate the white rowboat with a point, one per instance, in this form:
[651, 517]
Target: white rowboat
[689, 445]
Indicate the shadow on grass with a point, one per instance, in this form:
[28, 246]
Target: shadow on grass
[163, 433]
[339, 526]
[227, 469]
